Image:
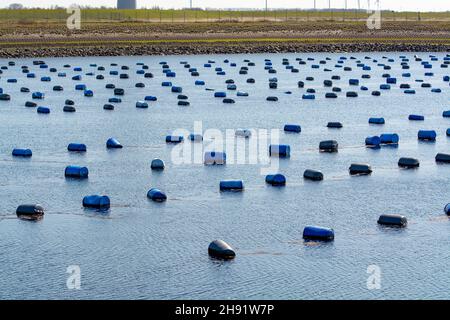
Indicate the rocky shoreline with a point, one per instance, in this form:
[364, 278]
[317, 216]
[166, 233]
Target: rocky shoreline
[214, 48]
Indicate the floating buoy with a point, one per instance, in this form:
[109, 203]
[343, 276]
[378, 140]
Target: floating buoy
[447, 209]
[318, 233]
[195, 137]
[336, 125]
[308, 97]
[313, 175]
[150, 98]
[331, 95]
[77, 147]
[328, 146]
[389, 138]
[5, 97]
[69, 109]
[360, 169]
[177, 89]
[292, 128]
[276, 179]
[174, 139]
[220, 94]
[30, 104]
[221, 250]
[76, 172]
[427, 135]
[373, 141]
[272, 98]
[112, 143]
[408, 163]
[228, 101]
[442, 157]
[97, 202]
[108, 107]
[156, 195]
[416, 117]
[24, 153]
[232, 185]
[393, 220]
[44, 110]
[31, 212]
[141, 105]
[446, 114]
[119, 92]
[351, 94]
[281, 151]
[376, 120]
[157, 164]
[215, 158]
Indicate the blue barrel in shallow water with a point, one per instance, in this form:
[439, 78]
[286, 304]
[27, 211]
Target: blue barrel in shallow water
[416, 117]
[80, 87]
[293, 128]
[427, 135]
[25, 153]
[308, 97]
[220, 94]
[446, 114]
[231, 185]
[376, 120]
[112, 143]
[177, 89]
[88, 93]
[44, 110]
[219, 249]
[76, 172]
[77, 147]
[276, 180]
[313, 175]
[150, 98]
[447, 209]
[174, 139]
[156, 195]
[97, 202]
[393, 220]
[389, 138]
[215, 158]
[280, 150]
[37, 95]
[318, 233]
[30, 212]
[157, 164]
[373, 141]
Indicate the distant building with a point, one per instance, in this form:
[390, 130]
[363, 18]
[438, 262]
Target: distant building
[126, 4]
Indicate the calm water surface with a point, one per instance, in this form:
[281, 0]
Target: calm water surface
[145, 250]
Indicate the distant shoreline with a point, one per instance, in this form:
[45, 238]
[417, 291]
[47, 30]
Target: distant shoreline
[215, 48]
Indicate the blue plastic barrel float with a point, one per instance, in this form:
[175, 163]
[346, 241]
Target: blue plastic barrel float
[150, 98]
[334, 125]
[32, 212]
[393, 220]
[80, 87]
[389, 138]
[408, 163]
[30, 104]
[427, 135]
[360, 169]
[88, 93]
[38, 95]
[447, 209]
[442, 158]
[174, 139]
[318, 233]
[215, 158]
[176, 89]
[220, 94]
[141, 105]
[195, 137]
[313, 175]
[24, 153]
[416, 117]
[76, 172]
[231, 185]
[280, 150]
[292, 128]
[446, 114]
[113, 143]
[77, 147]
[376, 121]
[374, 141]
[97, 202]
[328, 146]
[156, 195]
[219, 249]
[157, 164]
[5, 97]
[276, 180]
[44, 110]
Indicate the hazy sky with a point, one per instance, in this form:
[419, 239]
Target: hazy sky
[414, 5]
